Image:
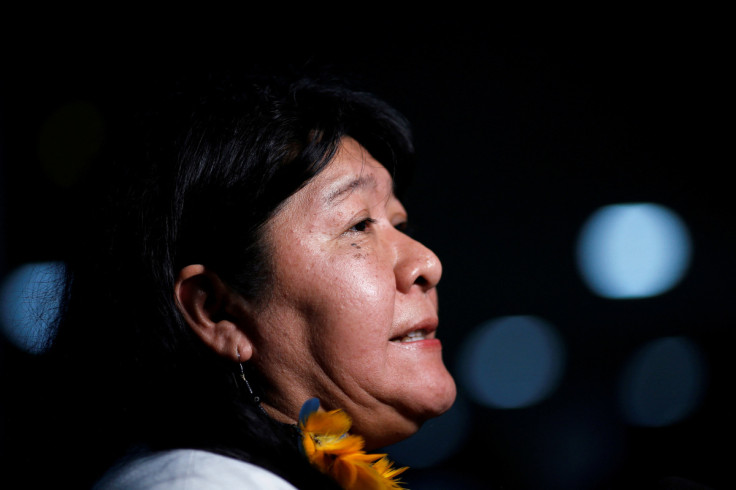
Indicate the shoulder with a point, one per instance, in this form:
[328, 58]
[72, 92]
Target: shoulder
[185, 469]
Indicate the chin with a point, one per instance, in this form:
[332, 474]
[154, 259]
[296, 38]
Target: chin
[441, 400]
[432, 402]
[435, 398]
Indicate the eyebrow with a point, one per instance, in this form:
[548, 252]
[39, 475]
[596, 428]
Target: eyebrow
[360, 182]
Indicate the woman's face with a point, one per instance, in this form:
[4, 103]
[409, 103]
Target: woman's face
[352, 313]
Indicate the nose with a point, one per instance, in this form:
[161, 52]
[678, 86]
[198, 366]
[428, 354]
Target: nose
[416, 265]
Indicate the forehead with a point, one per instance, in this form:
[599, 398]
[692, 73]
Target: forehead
[352, 170]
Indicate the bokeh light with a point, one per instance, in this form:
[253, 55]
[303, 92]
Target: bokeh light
[437, 440]
[663, 382]
[633, 250]
[511, 362]
[29, 302]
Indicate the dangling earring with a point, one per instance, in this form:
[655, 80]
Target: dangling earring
[256, 399]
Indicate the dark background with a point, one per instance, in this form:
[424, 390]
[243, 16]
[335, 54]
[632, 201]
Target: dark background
[522, 132]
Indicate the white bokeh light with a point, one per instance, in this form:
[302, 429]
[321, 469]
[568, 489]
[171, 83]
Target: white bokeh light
[633, 250]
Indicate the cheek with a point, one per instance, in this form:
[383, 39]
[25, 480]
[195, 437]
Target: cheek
[351, 302]
[360, 284]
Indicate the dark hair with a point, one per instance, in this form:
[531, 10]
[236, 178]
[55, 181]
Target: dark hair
[193, 180]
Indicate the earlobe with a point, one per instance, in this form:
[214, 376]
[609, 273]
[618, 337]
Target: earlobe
[210, 308]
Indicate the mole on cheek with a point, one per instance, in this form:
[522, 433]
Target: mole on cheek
[357, 255]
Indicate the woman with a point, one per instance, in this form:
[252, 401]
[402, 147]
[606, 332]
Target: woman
[252, 258]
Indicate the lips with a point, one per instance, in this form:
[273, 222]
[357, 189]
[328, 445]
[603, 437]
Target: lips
[422, 331]
[413, 336]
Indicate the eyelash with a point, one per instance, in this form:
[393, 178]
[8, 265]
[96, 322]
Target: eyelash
[361, 226]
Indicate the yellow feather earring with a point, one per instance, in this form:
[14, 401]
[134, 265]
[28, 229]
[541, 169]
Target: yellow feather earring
[329, 447]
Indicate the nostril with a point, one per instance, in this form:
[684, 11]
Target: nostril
[421, 281]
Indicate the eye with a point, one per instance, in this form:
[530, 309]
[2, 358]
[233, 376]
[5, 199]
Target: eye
[362, 226]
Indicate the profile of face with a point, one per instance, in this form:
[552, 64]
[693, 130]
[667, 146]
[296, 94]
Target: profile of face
[351, 317]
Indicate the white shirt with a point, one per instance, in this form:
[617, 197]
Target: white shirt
[189, 469]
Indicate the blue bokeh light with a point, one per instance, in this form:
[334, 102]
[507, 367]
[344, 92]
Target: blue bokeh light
[663, 382]
[633, 250]
[29, 303]
[511, 362]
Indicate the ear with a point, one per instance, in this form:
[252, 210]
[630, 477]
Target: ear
[213, 311]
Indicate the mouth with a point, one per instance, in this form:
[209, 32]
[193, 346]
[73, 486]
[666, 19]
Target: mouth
[414, 336]
[423, 330]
